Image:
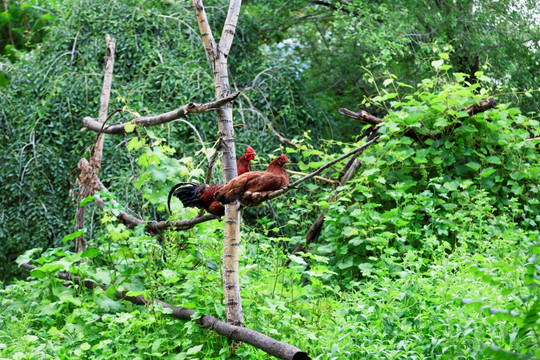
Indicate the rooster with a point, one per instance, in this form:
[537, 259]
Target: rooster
[251, 188]
[202, 196]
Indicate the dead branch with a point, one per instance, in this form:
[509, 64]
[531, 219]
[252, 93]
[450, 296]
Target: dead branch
[482, 106]
[90, 171]
[190, 108]
[362, 116]
[281, 137]
[273, 347]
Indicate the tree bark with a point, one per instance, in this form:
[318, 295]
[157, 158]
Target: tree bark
[90, 171]
[273, 347]
[218, 57]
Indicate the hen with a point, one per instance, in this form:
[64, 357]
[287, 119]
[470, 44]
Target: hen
[202, 196]
[251, 188]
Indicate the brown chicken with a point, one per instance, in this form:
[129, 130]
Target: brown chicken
[251, 188]
[202, 196]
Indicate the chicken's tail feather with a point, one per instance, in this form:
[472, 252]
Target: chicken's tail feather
[187, 194]
[225, 198]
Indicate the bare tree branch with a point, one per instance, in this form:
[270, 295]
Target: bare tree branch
[273, 347]
[482, 106]
[205, 30]
[229, 28]
[90, 171]
[190, 108]
[362, 116]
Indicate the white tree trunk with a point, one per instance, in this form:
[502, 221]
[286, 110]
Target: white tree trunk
[218, 56]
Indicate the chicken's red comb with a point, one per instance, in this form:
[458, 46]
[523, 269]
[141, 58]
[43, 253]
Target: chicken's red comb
[250, 150]
[284, 157]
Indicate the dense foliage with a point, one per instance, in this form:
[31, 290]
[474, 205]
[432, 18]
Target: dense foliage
[430, 251]
[343, 40]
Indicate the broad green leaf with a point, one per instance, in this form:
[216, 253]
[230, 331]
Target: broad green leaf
[129, 127]
[72, 236]
[26, 257]
[487, 172]
[194, 350]
[90, 253]
[437, 63]
[494, 160]
[473, 165]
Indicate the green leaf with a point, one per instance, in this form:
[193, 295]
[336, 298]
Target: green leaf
[90, 253]
[50, 268]
[26, 257]
[297, 259]
[129, 127]
[487, 171]
[108, 305]
[69, 298]
[72, 236]
[194, 350]
[87, 200]
[134, 144]
[369, 172]
[437, 64]
[473, 165]
[349, 231]
[388, 82]
[170, 276]
[442, 122]
[4, 81]
[38, 274]
[494, 160]
[347, 263]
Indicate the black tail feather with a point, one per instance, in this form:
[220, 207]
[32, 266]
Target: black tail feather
[224, 199]
[186, 193]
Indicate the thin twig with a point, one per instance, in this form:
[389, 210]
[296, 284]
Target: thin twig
[331, 181]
